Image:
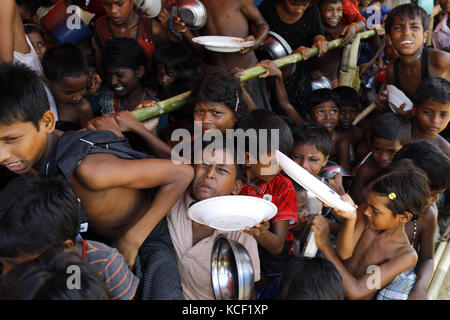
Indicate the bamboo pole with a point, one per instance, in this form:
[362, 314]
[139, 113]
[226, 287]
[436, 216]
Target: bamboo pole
[171, 104]
[364, 113]
[440, 251]
[440, 274]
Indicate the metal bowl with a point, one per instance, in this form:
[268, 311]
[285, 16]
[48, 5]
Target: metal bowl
[274, 47]
[193, 13]
[152, 8]
[231, 270]
[321, 83]
[331, 168]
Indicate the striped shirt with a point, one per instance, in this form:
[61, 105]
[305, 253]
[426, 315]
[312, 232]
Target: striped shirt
[119, 280]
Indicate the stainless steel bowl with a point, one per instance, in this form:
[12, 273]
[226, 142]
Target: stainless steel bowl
[274, 47]
[321, 83]
[327, 172]
[193, 13]
[231, 270]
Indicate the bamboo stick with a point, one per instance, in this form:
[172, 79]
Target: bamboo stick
[440, 274]
[364, 113]
[440, 251]
[171, 104]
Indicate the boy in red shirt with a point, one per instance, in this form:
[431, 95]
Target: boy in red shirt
[263, 180]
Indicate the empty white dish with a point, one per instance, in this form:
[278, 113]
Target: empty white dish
[312, 184]
[223, 43]
[232, 213]
[396, 98]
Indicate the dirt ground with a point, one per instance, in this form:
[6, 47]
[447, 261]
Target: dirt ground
[444, 292]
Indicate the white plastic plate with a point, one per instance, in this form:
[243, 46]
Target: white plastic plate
[396, 97]
[223, 43]
[312, 184]
[232, 213]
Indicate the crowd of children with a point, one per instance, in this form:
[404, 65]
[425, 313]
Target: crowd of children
[85, 185]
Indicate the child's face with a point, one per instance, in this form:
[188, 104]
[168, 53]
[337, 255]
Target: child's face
[296, 6]
[38, 43]
[69, 90]
[327, 114]
[331, 13]
[302, 209]
[346, 116]
[22, 145]
[434, 195]
[118, 10]
[122, 80]
[265, 168]
[407, 35]
[214, 115]
[215, 176]
[307, 156]
[445, 5]
[165, 77]
[384, 151]
[432, 117]
[379, 216]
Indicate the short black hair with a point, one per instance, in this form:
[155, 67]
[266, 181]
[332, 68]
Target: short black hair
[29, 5]
[406, 186]
[348, 96]
[411, 11]
[261, 119]
[392, 126]
[434, 88]
[22, 95]
[176, 56]
[311, 279]
[47, 278]
[64, 60]
[322, 2]
[320, 96]
[37, 214]
[428, 157]
[123, 53]
[31, 26]
[314, 134]
[216, 84]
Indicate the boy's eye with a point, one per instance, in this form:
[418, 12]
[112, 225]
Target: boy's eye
[199, 111]
[221, 170]
[10, 139]
[216, 113]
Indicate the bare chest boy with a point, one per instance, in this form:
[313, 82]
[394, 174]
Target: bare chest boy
[110, 211]
[225, 18]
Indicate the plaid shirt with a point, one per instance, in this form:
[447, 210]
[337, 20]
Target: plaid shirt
[400, 287]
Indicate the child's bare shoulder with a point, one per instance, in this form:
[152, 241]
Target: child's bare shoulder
[440, 60]
[443, 144]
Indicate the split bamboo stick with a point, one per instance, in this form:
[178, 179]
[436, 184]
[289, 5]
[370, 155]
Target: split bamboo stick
[171, 104]
[440, 274]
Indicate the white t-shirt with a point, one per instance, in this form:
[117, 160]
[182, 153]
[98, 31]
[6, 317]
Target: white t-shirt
[31, 60]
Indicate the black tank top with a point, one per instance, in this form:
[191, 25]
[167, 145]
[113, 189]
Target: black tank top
[424, 65]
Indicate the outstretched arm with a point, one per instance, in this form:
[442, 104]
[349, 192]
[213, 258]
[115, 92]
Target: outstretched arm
[104, 171]
[355, 288]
